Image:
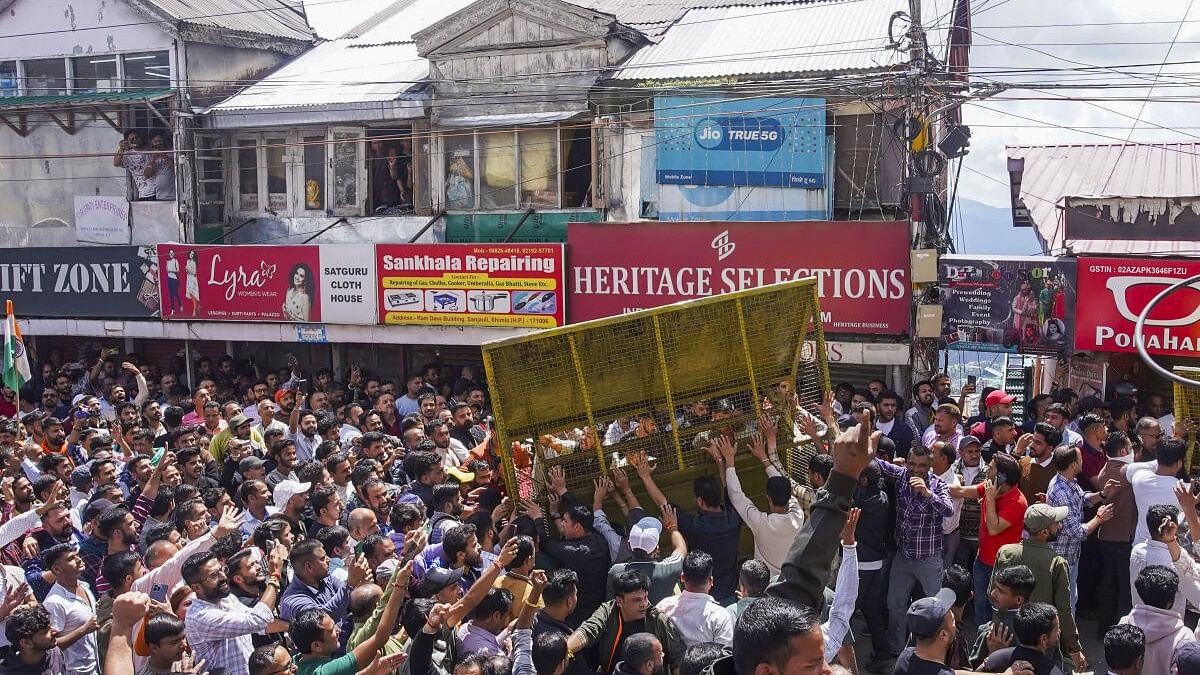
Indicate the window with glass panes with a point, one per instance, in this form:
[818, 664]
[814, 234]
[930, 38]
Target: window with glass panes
[507, 169]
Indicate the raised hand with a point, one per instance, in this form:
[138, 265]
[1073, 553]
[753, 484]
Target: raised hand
[670, 519]
[437, 616]
[531, 509]
[620, 479]
[602, 486]
[999, 637]
[726, 449]
[231, 521]
[382, 665]
[852, 448]
[358, 572]
[1185, 497]
[850, 527]
[767, 427]
[538, 580]
[508, 553]
[558, 479]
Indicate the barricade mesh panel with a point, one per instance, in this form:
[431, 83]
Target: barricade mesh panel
[1187, 407]
[739, 355]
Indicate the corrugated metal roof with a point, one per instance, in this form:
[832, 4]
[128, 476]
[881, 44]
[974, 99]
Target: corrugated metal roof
[653, 17]
[336, 72]
[777, 38]
[86, 99]
[401, 20]
[1053, 172]
[277, 18]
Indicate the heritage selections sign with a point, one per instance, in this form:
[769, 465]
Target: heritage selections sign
[861, 267]
[297, 284]
[1118, 290]
[776, 142]
[501, 285]
[111, 282]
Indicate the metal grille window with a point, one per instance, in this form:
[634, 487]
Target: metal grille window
[210, 179]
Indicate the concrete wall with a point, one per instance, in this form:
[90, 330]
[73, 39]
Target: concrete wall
[152, 223]
[97, 26]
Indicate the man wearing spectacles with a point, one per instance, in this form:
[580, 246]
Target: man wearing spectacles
[1149, 432]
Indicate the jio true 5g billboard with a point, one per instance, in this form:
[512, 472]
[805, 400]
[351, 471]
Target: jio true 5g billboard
[773, 142]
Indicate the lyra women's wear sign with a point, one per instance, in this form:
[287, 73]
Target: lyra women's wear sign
[300, 284]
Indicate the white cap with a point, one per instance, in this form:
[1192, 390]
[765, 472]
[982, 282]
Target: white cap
[645, 533]
[288, 489]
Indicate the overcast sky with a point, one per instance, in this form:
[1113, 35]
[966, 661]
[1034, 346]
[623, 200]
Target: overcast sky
[998, 122]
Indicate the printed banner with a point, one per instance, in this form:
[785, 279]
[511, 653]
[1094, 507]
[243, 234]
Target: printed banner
[111, 282]
[290, 284]
[1007, 303]
[1118, 290]
[102, 220]
[776, 142]
[861, 267]
[504, 285]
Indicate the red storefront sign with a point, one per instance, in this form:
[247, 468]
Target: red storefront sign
[1113, 292]
[861, 267]
[240, 283]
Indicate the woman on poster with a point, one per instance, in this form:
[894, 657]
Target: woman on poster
[192, 291]
[298, 301]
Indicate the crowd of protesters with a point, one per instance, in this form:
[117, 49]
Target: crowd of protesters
[259, 522]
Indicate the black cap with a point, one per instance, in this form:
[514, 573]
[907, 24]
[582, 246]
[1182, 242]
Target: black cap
[437, 579]
[926, 616]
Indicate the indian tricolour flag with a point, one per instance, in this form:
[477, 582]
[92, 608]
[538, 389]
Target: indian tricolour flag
[16, 360]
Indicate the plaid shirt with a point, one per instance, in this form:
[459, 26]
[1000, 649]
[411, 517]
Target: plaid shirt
[220, 633]
[919, 518]
[1063, 492]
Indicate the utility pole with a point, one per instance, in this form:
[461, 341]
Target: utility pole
[924, 350]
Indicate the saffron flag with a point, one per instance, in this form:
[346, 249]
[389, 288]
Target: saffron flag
[16, 360]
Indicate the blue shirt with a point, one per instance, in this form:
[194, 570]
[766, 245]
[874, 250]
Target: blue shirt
[333, 597]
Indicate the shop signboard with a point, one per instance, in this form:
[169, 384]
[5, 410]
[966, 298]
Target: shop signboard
[1118, 290]
[861, 267]
[498, 285]
[110, 282]
[290, 284]
[1007, 303]
[777, 142]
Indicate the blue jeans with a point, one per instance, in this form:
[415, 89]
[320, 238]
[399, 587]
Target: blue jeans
[983, 604]
[1072, 579]
[906, 574]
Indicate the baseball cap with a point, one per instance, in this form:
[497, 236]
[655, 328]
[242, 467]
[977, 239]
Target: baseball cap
[250, 463]
[97, 507]
[281, 393]
[1040, 516]
[968, 439]
[437, 579]
[238, 420]
[926, 616]
[81, 476]
[999, 397]
[77, 398]
[288, 489]
[645, 533]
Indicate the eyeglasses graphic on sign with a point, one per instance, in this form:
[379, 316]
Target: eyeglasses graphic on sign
[1131, 294]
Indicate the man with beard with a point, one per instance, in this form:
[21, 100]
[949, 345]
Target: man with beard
[303, 432]
[56, 437]
[920, 415]
[240, 427]
[453, 454]
[1003, 438]
[248, 581]
[268, 416]
[1052, 586]
[313, 587]
[888, 407]
[284, 454]
[218, 625]
[428, 408]
[63, 387]
[327, 506]
[34, 644]
[464, 432]
[447, 507]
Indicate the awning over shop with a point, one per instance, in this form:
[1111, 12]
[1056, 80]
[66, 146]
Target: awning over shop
[269, 332]
[62, 108]
[509, 120]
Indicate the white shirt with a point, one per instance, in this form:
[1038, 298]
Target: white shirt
[885, 427]
[68, 611]
[1149, 489]
[347, 434]
[455, 455]
[699, 618]
[844, 599]
[773, 532]
[1156, 553]
[615, 431]
[950, 523]
[306, 448]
